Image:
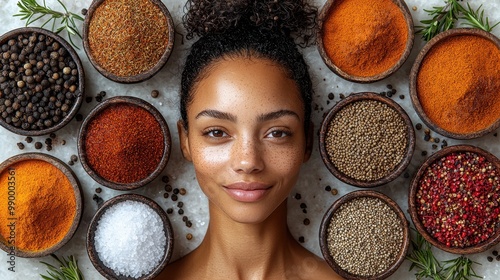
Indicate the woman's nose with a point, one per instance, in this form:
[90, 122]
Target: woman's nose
[247, 156]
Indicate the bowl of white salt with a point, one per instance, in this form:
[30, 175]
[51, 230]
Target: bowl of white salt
[130, 237]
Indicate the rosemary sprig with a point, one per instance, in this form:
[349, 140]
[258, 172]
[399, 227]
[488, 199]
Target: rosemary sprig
[65, 270]
[424, 260]
[445, 17]
[475, 19]
[459, 268]
[428, 267]
[31, 11]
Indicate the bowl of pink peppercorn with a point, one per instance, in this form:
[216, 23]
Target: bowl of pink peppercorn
[454, 199]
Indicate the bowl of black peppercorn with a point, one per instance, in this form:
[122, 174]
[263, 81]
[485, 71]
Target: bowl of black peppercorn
[41, 81]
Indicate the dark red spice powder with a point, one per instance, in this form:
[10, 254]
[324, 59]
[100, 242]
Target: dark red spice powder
[458, 199]
[124, 143]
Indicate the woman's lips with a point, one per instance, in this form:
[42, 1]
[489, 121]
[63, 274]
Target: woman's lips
[247, 192]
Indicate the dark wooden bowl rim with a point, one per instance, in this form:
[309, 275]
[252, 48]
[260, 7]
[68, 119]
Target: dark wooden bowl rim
[77, 191]
[325, 223]
[103, 106]
[81, 82]
[323, 15]
[141, 76]
[167, 227]
[355, 97]
[480, 247]
[416, 68]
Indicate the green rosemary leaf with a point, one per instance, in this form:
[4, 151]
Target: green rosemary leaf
[445, 17]
[32, 11]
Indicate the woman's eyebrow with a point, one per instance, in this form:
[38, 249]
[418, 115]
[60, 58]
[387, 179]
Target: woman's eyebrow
[216, 114]
[277, 115]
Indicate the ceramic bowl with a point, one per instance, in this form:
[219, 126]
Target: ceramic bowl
[140, 77]
[78, 198]
[108, 103]
[325, 223]
[323, 16]
[413, 207]
[79, 93]
[356, 97]
[91, 249]
[414, 75]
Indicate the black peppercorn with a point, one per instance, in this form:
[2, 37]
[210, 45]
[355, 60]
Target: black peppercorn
[155, 93]
[20, 146]
[174, 197]
[301, 239]
[170, 211]
[168, 188]
[165, 179]
[298, 196]
[38, 145]
[306, 221]
[176, 191]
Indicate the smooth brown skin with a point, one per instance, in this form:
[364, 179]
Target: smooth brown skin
[246, 124]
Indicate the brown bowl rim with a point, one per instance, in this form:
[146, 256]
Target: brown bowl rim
[141, 76]
[360, 96]
[81, 82]
[136, 102]
[167, 227]
[480, 247]
[77, 191]
[323, 15]
[414, 74]
[325, 222]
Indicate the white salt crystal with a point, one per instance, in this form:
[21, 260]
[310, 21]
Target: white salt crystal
[130, 239]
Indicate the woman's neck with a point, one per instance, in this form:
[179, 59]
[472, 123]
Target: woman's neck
[248, 250]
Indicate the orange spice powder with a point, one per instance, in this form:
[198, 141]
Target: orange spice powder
[364, 38]
[45, 205]
[458, 84]
[127, 37]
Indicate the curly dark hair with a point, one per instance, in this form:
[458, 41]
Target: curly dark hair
[248, 28]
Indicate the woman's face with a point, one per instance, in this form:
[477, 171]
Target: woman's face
[246, 137]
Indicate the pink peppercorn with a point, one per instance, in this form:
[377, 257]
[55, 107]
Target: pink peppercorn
[458, 199]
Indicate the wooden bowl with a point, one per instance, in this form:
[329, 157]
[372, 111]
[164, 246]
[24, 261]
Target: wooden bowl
[414, 75]
[412, 196]
[323, 16]
[410, 147]
[325, 223]
[77, 191]
[79, 93]
[143, 76]
[91, 250]
[106, 105]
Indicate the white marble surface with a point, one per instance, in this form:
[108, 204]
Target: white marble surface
[314, 178]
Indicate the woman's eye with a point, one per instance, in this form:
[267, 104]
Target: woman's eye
[278, 134]
[216, 133]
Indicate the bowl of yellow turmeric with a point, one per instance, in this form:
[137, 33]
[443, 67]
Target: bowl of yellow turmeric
[42, 199]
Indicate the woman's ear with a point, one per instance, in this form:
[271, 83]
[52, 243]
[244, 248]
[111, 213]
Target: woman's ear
[309, 141]
[183, 140]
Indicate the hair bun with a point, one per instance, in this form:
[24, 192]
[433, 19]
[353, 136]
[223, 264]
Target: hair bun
[285, 16]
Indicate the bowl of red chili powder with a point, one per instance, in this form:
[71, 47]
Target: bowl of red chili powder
[128, 41]
[455, 83]
[42, 202]
[124, 143]
[365, 40]
[454, 199]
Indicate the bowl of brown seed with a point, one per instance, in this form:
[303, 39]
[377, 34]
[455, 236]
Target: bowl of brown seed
[41, 81]
[364, 235]
[454, 200]
[366, 140]
[128, 41]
